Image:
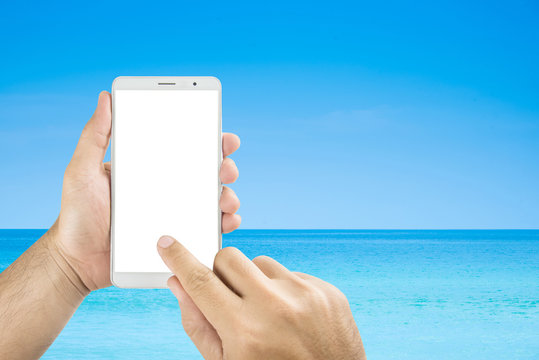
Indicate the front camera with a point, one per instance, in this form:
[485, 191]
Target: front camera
[194, 84]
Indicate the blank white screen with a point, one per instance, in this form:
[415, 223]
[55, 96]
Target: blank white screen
[166, 164]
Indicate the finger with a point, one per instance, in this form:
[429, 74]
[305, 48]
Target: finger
[230, 222]
[272, 268]
[203, 286]
[94, 140]
[229, 171]
[231, 143]
[197, 327]
[229, 202]
[238, 272]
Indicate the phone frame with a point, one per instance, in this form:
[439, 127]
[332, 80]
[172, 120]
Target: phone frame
[158, 280]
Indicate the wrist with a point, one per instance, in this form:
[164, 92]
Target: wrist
[64, 277]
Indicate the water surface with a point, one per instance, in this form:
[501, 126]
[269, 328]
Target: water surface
[414, 294]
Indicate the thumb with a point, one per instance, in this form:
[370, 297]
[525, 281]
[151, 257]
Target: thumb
[197, 327]
[94, 140]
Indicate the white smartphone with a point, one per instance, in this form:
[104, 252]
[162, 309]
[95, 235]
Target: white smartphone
[166, 155]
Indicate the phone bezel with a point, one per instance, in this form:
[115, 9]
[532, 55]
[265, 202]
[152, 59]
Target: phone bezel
[157, 280]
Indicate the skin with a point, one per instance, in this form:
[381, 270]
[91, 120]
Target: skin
[271, 312]
[41, 290]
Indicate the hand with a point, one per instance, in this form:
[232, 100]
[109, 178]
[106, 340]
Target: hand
[259, 309]
[81, 232]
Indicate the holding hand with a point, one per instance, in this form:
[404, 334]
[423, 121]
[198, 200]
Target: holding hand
[259, 309]
[41, 290]
[81, 233]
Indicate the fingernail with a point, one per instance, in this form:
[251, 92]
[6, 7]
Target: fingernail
[165, 241]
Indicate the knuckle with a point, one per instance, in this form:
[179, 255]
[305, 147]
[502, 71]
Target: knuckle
[290, 311]
[175, 255]
[198, 279]
[305, 288]
[176, 258]
[296, 309]
[285, 307]
[339, 296]
[319, 299]
[93, 136]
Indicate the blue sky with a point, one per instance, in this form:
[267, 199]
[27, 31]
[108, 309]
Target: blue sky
[352, 115]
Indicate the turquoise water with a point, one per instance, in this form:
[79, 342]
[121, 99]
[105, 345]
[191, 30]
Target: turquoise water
[414, 294]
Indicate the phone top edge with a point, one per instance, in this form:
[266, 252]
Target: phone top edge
[166, 83]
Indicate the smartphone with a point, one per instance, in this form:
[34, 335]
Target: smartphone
[166, 155]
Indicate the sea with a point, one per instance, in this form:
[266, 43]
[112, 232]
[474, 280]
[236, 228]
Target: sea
[415, 294]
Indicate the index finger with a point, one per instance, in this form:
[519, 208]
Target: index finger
[212, 297]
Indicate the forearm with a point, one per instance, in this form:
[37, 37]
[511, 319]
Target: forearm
[39, 293]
